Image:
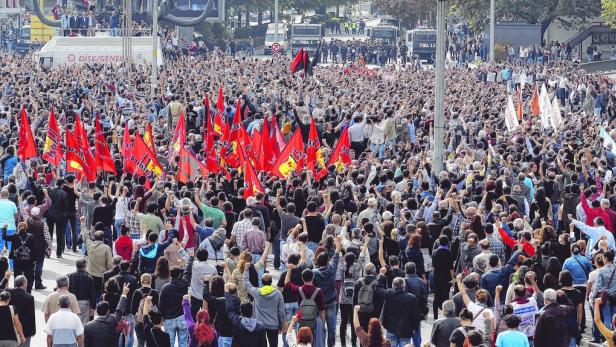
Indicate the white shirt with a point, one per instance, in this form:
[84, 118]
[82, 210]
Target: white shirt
[477, 310]
[356, 132]
[64, 326]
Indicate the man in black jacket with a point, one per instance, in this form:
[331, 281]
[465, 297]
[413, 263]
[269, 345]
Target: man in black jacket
[170, 304]
[400, 315]
[126, 277]
[115, 262]
[417, 287]
[56, 216]
[81, 283]
[370, 276]
[24, 307]
[102, 330]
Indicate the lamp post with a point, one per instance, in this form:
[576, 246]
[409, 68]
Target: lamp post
[439, 114]
[154, 75]
[492, 29]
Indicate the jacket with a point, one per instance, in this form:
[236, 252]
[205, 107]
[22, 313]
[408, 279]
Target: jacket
[99, 254]
[24, 307]
[442, 329]
[580, 267]
[269, 303]
[493, 278]
[401, 313]
[325, 278]
[17, 241]
[417, 287]
[248, 331]
[551, 328]
[377, 301]
[198, 270]
[170, 300]
[217, 308]
[149, 254]
[101, 332]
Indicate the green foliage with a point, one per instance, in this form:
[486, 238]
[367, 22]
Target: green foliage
[407, 11]
[608, 11]
[254, 31]
[216, 32]
[476, 12]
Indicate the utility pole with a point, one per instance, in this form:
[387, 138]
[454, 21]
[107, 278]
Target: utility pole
[492, 29]
[276, 21]
[439, 109]
[154, 75]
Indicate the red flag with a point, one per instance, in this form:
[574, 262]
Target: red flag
[314, 155]
[127, 147]
[225, 147]
[277, 140]
[252, 185]
[89, 164]
[298, 63]
[74, 161]
[267, 156]
[142, 159]
[234, 136]
[211, 161]
[519, 109]
[104, 161]
[179, 137]
[536, 110]
[26, 148]
[148, 138]
[257, 142]
[219, 117]
[342, 152]
[189, 166]
[52, 152]
[206, 109]
[291, 158]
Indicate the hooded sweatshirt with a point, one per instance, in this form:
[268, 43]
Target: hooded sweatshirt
[269, 303]
[149, 254]
[248, 331]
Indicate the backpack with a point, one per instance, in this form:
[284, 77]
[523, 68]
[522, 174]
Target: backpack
[309, 310]
[22, 253]
[466, 342]
[365, 296]
[348, 286]
[139, 313]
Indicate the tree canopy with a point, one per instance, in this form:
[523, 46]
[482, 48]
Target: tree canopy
[608, 11]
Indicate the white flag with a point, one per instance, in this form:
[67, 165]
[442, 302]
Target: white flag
[545, 106]
[607, 139]
[555, 117]
[511, 119]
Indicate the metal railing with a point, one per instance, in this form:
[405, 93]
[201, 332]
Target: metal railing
[97, 32]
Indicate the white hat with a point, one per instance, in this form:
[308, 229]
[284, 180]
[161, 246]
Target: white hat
[35, 212]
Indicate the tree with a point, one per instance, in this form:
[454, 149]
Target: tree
[608, 11]
[568, 12]
[407, 11]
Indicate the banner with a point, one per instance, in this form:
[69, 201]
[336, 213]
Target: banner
[511, 119]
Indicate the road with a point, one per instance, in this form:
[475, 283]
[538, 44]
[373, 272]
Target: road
[53, 268]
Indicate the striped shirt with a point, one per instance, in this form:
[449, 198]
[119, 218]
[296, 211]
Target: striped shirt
[253, 241]
[239, 229]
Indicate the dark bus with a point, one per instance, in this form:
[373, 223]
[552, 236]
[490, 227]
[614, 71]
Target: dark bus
[387, 33]
[305, 36]
[422, 43]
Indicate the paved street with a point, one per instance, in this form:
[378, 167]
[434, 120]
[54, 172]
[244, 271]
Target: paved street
[56, 267]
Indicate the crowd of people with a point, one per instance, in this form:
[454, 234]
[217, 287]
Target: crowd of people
[507, 246]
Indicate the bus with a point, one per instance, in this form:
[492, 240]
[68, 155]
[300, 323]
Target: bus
[305, 36]
[387, 33]
[422, 44]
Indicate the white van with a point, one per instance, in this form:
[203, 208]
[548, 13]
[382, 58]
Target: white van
[98, 49]
[270, 37]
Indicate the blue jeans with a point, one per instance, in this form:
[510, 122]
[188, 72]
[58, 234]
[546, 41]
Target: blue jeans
[417, 337]
[555, 215]
[381, 149]
[608, 311]
[277, 243]
[398, 341]
[290, 309]
[72, 232]
[573, 342]
[8, 246]
[225, 341]
[117, 224]
[331, 311]
[255, 259]
[128, 342]
[177, 326]
[596, 334]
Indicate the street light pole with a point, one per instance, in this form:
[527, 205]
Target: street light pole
[439, 114]
[275, 21]
[492, 29]
[154, 75]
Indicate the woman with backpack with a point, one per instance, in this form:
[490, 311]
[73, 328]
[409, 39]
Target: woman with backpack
[375, 337]
[349, 271]
[22, 246]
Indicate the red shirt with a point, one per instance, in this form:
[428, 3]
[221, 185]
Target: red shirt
[124, 247]
[510, 242]
[594, 212]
